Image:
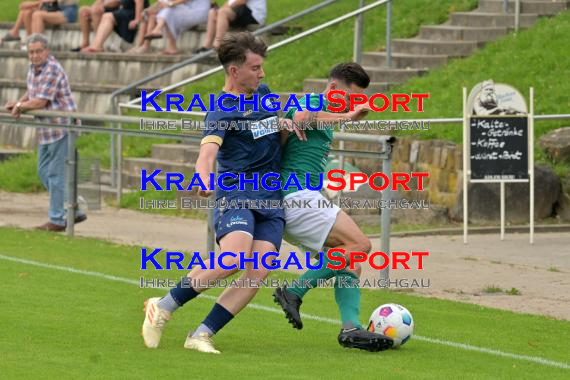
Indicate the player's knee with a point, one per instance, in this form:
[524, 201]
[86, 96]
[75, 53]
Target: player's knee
[357, 269]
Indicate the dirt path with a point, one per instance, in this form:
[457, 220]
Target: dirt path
[541, 272]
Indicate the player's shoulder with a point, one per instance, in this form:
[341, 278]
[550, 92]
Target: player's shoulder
[263, 89]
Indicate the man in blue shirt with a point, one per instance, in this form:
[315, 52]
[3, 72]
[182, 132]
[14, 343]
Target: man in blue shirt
[254, 147]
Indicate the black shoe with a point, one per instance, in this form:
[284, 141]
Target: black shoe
[290, 303]
[200, 50]
[78, 219]
[364, 340]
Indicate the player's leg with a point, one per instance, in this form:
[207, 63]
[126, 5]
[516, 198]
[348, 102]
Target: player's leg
[268, 233]
[233, 238]
[229, 304]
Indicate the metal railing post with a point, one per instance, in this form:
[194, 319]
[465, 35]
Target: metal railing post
[389, 34]
[71, 183]
[517, 15]
[505, 6]
[358, 31]
[385, 216]
[119, 154]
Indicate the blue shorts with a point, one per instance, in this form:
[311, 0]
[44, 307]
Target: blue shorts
[70, 13]
[267, 225]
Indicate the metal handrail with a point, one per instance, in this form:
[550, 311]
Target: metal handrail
[206, 54]
[276, 45]
[6, 117]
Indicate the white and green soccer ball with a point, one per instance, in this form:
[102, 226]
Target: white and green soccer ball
[394, 321]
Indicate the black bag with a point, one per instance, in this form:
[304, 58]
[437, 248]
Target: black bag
[50, 7]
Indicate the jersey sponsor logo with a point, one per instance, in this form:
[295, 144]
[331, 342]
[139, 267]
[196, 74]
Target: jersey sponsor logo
[236, 220]
[264, 127]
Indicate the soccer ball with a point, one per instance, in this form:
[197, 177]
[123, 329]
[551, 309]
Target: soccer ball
[394, 321]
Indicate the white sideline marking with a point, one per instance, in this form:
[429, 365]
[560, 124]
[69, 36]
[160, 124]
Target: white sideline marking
[534, 359]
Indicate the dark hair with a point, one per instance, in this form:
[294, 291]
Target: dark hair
[350, 73]
[235, 45]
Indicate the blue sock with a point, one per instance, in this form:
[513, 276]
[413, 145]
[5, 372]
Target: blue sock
[180, 295]
[219, 317]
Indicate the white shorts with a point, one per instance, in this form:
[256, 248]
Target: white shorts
[309, 227]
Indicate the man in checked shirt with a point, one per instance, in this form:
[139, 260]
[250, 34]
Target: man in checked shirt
[48, 88]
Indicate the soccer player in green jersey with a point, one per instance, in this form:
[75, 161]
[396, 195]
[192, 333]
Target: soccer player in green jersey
[315, 228]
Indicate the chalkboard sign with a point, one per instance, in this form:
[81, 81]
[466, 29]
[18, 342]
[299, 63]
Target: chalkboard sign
[498, 147]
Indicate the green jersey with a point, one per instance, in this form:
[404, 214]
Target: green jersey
[311, 156]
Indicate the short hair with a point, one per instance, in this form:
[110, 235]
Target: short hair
[350, 73]
[37, 37]
[235, 45]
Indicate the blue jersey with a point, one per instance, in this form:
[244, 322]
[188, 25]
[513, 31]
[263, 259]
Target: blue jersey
[249, 143]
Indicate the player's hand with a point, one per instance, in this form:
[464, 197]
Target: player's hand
[205, 193]
[289, 126]
[360, 112]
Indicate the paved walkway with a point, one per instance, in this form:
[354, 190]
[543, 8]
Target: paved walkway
[455, 271]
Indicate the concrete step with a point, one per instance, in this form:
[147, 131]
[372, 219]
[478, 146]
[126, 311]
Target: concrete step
[542, 8]
[89, 98]
[9, 153]
[477, 19]
[91, 191]
[68, 36]
[175, 152]
[102, 68]
[17, 136]
[429, 47]
[318, 85]
[460, 33]
[393, 75]
[402, 61]
[135, 165]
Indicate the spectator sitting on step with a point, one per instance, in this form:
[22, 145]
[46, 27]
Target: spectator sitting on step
[236, 14]
[90, 17]
[124, 21]
[49, 11]
[48, 89]
[54, 13]
[171, 18]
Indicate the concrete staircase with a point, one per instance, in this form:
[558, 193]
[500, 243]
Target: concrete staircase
[435, 45]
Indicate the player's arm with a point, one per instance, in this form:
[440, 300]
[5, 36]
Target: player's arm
[205, 163]
[311, 118]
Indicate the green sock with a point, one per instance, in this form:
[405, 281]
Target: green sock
[348, 300]
[313, 276]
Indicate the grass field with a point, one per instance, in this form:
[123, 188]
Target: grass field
[73, 308]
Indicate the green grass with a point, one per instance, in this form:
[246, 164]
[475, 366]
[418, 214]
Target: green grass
[492, 289]
[68, 325]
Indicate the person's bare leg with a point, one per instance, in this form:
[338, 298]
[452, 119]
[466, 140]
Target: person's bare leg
[232, 242]
[225, 16]
[158, 28]
[27, 18]
[170, 43]
[40, 18]
[103, 31]
[85, 17]
[24, 14]
[211, 27]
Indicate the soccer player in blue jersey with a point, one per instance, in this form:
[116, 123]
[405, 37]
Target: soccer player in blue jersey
[249, 149]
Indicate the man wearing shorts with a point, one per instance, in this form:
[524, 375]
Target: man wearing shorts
[315, 228]
[251, 149]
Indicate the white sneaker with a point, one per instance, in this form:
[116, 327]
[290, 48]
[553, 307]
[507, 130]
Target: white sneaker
[202, 343]
[154, 320]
